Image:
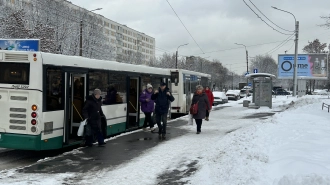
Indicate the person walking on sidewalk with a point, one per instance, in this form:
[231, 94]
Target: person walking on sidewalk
[210, 97]
[147, 107]
[162, 96]
[92, 111]
[203, 104]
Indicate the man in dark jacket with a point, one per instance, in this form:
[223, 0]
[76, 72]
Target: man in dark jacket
[162, 98]
[92, 111]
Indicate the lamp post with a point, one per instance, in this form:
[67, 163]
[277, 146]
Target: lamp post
[247, 61]
[295, 52]
[176, 55]
[81, 25]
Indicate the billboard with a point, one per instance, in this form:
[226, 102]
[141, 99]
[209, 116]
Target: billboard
[20, 44]
[309, 66]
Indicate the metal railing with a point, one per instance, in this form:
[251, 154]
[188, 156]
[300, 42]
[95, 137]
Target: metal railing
[324, 105]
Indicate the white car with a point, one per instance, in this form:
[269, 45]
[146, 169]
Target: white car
[233, 95]
[320, 92]
[219, 98]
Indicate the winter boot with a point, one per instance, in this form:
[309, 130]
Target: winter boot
[207, 118]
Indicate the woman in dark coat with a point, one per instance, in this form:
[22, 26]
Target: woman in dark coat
[92, 111]
[203, 106]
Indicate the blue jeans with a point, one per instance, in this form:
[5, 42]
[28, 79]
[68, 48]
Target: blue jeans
[163, 118]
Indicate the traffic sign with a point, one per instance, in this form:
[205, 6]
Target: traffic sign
[247, 73]
[250, 84]
[255, 70]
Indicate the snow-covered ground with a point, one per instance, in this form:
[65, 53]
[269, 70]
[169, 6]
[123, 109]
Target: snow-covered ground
[290, 147]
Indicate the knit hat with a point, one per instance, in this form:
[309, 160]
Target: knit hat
[149, 86]
[162, 84]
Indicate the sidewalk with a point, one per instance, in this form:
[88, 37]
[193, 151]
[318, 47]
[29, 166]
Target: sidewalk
[117, 151]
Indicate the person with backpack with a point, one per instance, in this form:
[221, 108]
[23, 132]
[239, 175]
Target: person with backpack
[162, 96]
[147, 107]
[202, 103]
[210, 97]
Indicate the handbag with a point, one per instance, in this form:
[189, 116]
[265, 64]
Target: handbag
[82, 128]
[194, 108]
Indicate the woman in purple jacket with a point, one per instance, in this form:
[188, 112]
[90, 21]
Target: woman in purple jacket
[147, 106]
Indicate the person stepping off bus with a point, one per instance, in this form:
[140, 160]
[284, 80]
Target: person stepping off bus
[147, 107]
[92, 111]
[162, 96]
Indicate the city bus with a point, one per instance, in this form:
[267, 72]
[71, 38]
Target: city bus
[42, 96]
[183, 84]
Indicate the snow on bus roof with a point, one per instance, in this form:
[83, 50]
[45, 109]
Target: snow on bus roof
[190, 72]
[78, 61]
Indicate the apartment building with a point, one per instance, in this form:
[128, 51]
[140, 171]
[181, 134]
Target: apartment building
[122, 40]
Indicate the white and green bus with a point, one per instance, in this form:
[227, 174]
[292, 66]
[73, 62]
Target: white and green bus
[42, 96]
[183, 83]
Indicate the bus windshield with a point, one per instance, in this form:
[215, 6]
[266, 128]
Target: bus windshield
[14, 73]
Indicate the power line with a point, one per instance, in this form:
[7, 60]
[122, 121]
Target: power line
[291, 46]
[184, 26]
[268, 18]
[280, 45]
[263, 20]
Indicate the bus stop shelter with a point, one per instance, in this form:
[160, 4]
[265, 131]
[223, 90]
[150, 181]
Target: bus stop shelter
[262, 89]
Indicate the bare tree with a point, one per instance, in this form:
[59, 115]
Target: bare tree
[315, 47]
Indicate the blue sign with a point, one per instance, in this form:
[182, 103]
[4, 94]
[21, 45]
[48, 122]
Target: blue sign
[20, 44]
[255, 70]
[310, 66]
[250, 84]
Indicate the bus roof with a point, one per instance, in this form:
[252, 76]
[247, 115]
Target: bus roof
[191, 72]
[77, 61]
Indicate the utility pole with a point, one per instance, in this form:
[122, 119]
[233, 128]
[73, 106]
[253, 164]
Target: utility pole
[176, 55]
[295, 60]
[295, 66]
[80, 45]
[81, 27]
[247, 65]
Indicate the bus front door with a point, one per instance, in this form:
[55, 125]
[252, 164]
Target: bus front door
[74, 102]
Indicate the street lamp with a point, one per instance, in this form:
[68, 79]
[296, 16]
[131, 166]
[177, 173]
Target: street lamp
[295, 52]
[247, 62]
[81, 25]
[176, 56]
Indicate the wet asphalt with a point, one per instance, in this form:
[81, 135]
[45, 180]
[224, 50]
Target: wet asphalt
[119, 151]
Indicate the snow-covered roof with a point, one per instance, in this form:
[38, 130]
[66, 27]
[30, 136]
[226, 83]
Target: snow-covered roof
[191, 72]
[255, 75]
[77, 61]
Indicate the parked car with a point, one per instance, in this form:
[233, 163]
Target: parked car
[320, 92]
[280, 91]
[219, 98]
[233, 95]
[243, 92]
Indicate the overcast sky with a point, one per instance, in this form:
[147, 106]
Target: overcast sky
[217, 25]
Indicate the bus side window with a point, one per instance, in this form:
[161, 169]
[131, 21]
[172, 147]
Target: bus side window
[53, 90]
